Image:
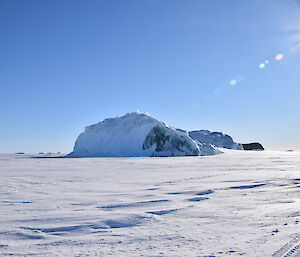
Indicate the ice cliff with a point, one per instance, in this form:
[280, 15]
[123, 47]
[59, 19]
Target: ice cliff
[137, 134]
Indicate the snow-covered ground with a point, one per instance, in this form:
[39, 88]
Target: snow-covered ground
[236, 203]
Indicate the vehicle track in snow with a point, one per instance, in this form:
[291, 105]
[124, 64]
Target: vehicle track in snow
[290, 249]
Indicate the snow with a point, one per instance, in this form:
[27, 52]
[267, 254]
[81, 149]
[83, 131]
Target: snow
[232, 204]
[136, 134]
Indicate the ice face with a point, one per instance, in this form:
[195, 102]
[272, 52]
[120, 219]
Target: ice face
[167, 140]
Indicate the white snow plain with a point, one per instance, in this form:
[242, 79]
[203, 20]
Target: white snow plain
[232, 204]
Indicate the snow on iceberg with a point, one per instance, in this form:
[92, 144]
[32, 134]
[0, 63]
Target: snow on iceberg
[136, 134]
[217, 139]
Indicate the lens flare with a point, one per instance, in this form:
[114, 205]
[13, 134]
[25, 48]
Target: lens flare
[233, 82]
[279, 57]
[291, 47]
[262, 66]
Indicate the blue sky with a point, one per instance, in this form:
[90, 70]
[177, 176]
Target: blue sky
[192, 63]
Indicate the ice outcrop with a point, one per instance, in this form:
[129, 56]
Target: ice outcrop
[137, 134]
[216, 138]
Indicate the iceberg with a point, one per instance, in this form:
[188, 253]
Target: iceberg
[137, 135]
[217, 139]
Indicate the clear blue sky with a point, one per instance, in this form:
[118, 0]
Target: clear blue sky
[66, 64]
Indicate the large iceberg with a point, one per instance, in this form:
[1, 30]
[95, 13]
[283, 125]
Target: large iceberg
[137, 134]
[217, 139]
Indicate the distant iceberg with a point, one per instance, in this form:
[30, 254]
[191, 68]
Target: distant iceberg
[137, 134]
[217, 139]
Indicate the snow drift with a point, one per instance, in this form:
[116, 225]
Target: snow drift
[137, 134]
